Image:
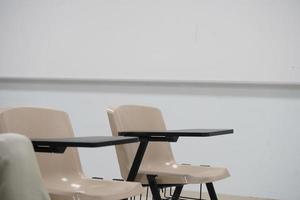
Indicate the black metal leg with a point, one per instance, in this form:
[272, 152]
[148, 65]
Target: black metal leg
[151, 178]
[154, 187]
[200, 191]
[137, 160]
[177, 192]
[211, 191]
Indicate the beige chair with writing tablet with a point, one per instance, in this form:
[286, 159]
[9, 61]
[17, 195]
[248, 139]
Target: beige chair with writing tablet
[62, 173]
[20, 177]
[158, 159]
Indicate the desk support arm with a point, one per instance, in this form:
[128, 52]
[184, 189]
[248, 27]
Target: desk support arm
[137, 159]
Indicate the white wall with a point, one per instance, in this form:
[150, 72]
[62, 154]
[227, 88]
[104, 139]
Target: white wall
[251, 40]
[211, 40]
[262, 155]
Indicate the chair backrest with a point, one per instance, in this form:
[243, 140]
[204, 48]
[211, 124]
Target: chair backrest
[139, 118]
[20, 177]
[44, 123]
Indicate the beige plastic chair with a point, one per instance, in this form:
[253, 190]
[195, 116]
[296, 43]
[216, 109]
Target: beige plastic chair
[62, 173]
[158, 159]
[20, 177]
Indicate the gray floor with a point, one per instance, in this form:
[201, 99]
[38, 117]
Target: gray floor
[220, 196]
[223, 196]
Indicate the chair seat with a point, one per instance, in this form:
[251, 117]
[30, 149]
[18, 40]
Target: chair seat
[170, 173]
[91, 189]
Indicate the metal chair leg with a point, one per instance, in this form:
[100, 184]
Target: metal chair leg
[177, 192]
[211, 191]
[200, 191]
[147, 192]
[154, 187]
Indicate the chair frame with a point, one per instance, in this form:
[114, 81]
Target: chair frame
[152, 177]
[64, 131]
[147, 123]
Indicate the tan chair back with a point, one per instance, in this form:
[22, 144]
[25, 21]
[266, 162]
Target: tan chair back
[44, 123]
[139, 118]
